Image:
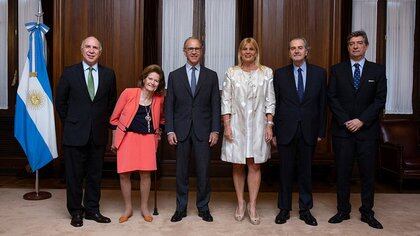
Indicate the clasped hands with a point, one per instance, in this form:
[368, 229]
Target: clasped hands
[354, 125]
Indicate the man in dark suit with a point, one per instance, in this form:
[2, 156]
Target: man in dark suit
[300, 90]
[85, 99]
[192, 114]
[356, 96]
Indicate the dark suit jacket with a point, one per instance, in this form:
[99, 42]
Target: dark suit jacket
[366, 103]
[80, 116]
[200, 111]
[289, 110]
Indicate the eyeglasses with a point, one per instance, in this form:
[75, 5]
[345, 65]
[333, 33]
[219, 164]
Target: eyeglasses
[191, 49]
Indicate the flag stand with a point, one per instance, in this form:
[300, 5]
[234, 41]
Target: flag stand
[37, 195]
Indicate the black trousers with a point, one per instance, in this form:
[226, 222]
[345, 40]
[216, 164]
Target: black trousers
[348, 150]
[297, 153]
[83, 163]
[202, 160]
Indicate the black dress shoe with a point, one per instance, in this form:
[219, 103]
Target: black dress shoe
[308, 218]
[371, 221]
[178, 215]
[205, 215]
[339, 217]
[98, 217]
[282, 217]
[77, 220]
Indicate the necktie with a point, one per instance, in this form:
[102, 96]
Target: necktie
[193, 80]
[300, 88]
[356, 76]
[90, 84]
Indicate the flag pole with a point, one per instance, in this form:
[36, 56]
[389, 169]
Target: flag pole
[37, 195]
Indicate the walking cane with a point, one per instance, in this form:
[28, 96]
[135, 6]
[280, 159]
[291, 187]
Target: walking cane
[158, 153]
[155, 210]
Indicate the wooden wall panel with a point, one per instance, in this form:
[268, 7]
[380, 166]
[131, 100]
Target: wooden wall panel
[116, 23]
[278, 21]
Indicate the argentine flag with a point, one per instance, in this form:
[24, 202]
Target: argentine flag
[34, 114]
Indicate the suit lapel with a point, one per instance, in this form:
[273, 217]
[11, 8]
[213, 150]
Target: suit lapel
[101, 83]
[200, 80]
[184, 79]
[292, 84]
[365, 72]
[309, 81]
[82, 80]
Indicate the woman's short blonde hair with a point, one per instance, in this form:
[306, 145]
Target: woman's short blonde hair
[254, 43]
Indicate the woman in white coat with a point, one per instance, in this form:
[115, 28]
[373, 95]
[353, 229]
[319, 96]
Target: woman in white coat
[248, 104]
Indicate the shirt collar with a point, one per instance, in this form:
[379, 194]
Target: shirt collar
[303, 67]
[188, 66]
[361, 62]
[86, 66]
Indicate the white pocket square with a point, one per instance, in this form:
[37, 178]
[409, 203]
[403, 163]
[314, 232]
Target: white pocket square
[371, 81]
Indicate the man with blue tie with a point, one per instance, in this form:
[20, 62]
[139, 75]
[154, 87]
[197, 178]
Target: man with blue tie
[356, 96]
[300, 90]
[192, 115]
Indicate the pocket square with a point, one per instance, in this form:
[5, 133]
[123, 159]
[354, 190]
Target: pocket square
[371, 81]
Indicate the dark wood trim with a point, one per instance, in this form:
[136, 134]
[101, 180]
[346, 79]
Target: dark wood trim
[199, 23]
[58, 62]
[381, 32]
[340, 28]
[199, 19]
[346, 21]
[151, 36]
[244, 21]
[139, 37]
[159, 33]
[257, 30]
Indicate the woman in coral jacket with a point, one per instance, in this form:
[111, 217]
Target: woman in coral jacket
[136, 119]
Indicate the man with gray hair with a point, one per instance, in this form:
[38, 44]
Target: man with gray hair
[300, 119]
[85, 98]
[192, 114]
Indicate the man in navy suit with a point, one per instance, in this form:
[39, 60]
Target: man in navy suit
[300, 90]
[85, 98]
[356, 96]
[192, 114]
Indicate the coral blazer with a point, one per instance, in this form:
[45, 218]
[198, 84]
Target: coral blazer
[125, 110]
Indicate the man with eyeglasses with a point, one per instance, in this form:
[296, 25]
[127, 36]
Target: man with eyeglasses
[192, 114]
